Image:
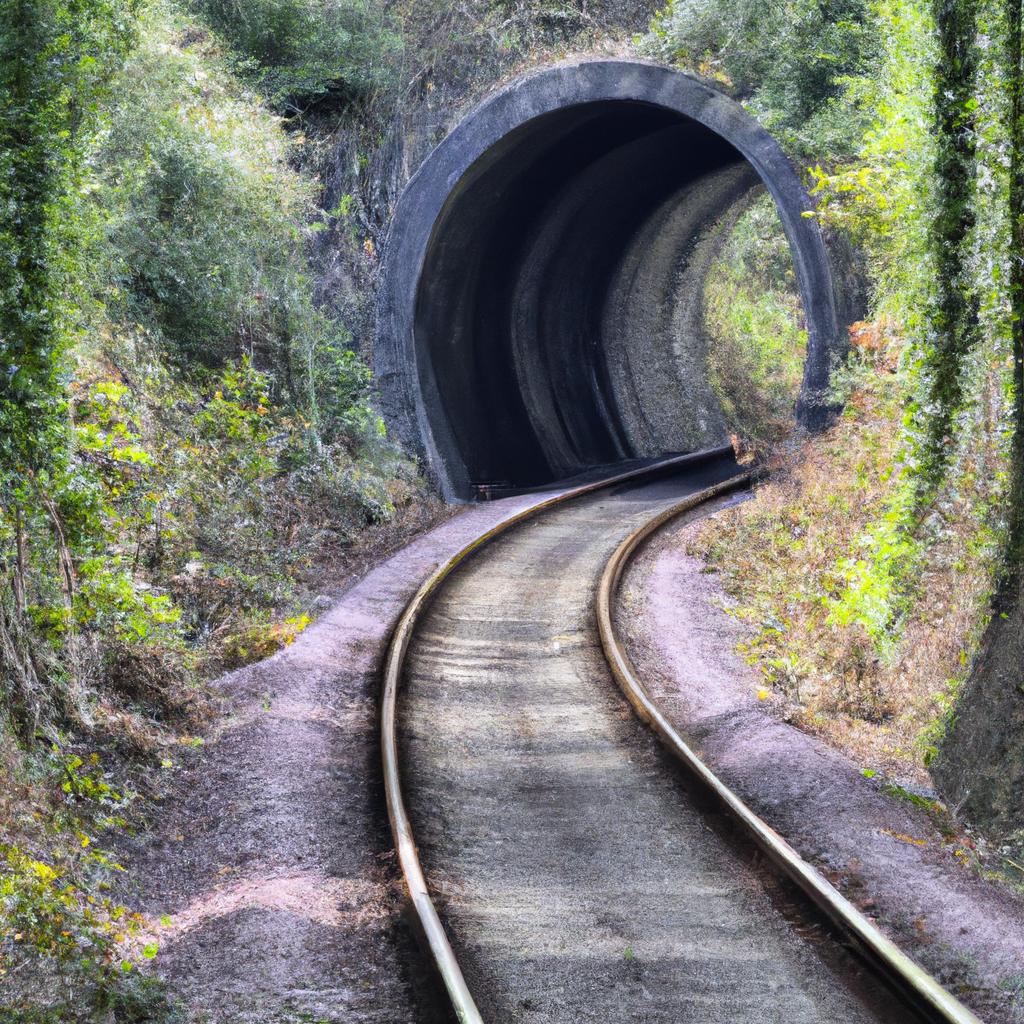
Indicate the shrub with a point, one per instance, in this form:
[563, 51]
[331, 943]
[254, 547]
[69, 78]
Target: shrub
[177, 398]
[57, 915]
[205, 210]
[207, 229]
[789, 61]
[817, 570]
[299, 51]
[881, 197]
[56, 61]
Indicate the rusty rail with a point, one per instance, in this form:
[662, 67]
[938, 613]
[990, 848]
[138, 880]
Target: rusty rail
[916, 984]
[923, 990]
[401, 829]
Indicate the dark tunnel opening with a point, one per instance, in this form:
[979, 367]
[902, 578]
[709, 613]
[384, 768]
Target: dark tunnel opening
[545, 275]
[522, 302]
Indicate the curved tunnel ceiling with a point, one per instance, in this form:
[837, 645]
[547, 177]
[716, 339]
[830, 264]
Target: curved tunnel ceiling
[541, 310]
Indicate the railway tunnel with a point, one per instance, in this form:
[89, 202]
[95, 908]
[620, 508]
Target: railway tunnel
[541, 307]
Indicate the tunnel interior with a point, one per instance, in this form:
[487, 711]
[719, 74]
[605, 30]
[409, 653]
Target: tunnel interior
[552, 308]
[542, 306]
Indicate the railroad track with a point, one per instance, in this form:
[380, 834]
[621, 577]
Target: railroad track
[576, 874]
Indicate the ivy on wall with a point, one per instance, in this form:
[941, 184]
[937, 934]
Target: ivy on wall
[1014, 47]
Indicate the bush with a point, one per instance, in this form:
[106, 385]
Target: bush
[817, 568]
[57, 915]
[204, 207]
[790, 61]
[881, 198]
[207, 229]
[203, 428]
[299, 51]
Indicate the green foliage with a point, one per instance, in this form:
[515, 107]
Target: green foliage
[754, 317]
[875, 591]
[789, 61]
[1013, 14]
[207, 215]
[300, 51]
[857, 625]
[56, 60]
[218, 508]
[260, 640]
[908, 199]
[880, 198]
[175, 227]
[56, 910]
[43, 909]
[954, 315]
[56, 63]
[871, 587]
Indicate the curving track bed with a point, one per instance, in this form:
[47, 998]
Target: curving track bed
[578, 874]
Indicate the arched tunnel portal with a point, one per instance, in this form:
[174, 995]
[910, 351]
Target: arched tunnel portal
[541, 305]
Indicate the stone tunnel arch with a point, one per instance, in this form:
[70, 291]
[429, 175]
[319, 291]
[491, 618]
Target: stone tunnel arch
[544, 267]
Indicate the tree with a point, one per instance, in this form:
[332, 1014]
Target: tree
[953, 326]
[56, 57]
[1015, 204]
[980, 763]
[789, 60]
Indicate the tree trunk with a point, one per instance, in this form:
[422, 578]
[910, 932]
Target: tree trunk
[980, 764]
[953, 318]
[21, 684]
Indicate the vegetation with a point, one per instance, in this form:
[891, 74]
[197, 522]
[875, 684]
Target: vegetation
[754, 318]
[187, 455]
[57, 62]
[1013, 12]
[798, 564]
[301, 51]
[194, 414]
[789, 62]
[954, 327]
[867, 567]
[58, 914]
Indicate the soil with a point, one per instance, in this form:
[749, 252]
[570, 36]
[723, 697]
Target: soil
[887, 855]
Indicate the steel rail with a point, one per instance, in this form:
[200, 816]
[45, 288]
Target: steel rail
[916, 984]
[440, 948]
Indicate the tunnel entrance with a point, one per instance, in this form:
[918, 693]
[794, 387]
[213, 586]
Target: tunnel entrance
[541, 309]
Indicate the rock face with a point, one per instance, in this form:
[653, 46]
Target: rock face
[980, 765]
[541, 307]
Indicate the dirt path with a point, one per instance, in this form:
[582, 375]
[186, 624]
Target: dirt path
[578, 878]
[886, 855]
[272, 858]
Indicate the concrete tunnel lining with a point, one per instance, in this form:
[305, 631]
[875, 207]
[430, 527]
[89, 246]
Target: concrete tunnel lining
[540, 299]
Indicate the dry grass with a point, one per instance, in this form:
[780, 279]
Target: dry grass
[779, 556]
